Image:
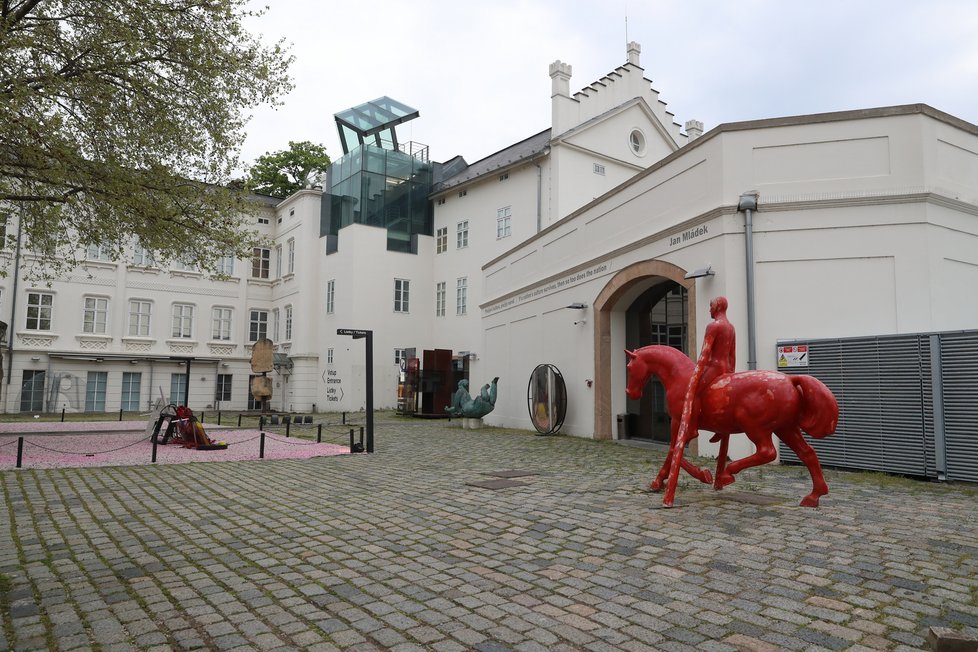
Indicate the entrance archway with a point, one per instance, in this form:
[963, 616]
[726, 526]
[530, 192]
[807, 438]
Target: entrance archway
[610, 306]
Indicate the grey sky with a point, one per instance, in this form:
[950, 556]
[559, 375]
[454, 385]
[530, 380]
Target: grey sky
[478, 72]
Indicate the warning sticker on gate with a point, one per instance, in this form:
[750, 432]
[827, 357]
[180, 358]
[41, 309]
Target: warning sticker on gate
[793, 356]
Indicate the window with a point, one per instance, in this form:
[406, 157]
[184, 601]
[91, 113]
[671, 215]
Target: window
[184, 264]
[183, 320]
[39, 306]
[288, 323]
[441, 240]
[291, 255]
[275, 329]
[259, 262]
[461, 295]
[142, 257]
[399, 356]
[223, 390]
[463, 193]
[462, 235]
[221, 320]
[440, 299]
[139, 313]
[441, 200]
[98, 252]
[258, 326]
[503, 222]
[96, 312]
[32, 391]
[178, 389]
[636, 140]
[95, 391]
[278, 261]
[225, 265]
[599, 169]
[131, 382]
[503, 177]
[330, 296]
[329, 355]
[402, 289]
[263, 220]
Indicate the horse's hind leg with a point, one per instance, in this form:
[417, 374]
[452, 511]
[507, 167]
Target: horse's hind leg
[765, 453]
[796, 442]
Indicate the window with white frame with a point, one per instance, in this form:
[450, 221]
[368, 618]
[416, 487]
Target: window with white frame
[95, 315]
[222, 391]
[139, 314]
[95, 391]
[330, 296]
[258, 325]
[278, 261]
[275, 329]
[440, 291]
[399, 356]
[462, 234]
[329, 355]
[178, 388]
[290, 245]
[183, 321]
[98, 252]
[142, 257]
[461, 295]
[185, 265]
[288, 323]
[221, 322]
[131, 382]
[441, 240]
[260, 258]
[503, 222]
[39, 311]
[402, 292]
[225, 265]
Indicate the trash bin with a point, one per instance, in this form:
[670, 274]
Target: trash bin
[623, 426]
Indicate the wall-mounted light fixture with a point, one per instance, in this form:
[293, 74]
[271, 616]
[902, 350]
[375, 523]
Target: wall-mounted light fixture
[134, 362]
[577, 306]
[35, 358]
[701, 272]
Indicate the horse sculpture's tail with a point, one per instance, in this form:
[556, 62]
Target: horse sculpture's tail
[820, 410]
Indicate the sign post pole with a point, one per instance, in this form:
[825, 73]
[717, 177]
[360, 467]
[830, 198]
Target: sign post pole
[358, 334]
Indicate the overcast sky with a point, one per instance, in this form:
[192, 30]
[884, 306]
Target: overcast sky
[478, 71]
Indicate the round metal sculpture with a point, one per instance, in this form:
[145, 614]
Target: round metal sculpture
[711, 396]
[546, 398]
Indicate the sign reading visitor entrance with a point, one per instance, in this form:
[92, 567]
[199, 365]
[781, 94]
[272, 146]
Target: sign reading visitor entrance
[334, 386]
[793, 356]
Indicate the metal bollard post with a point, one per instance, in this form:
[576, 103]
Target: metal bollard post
[361, 438]
[351, 440]
[344, 418]
[288, 427]
[120, 414]
[20, 449]
[319, 434]
[201, 419]
[239, 420]
[154, 450]
[218, 417]
[261, 423]
[62, 415]
[261, 448]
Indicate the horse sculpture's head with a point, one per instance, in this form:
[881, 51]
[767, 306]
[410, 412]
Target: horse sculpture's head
[638, 375]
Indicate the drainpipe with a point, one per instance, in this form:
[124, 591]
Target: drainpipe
[748, 204]
[539, 197]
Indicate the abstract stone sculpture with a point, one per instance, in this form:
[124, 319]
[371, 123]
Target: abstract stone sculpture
[709, 395]
[464, 405]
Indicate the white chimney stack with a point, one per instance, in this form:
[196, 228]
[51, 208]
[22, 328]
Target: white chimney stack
[694, 129]
[560, 73]
[634, 49]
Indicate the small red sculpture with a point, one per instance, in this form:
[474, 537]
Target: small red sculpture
[710, 396]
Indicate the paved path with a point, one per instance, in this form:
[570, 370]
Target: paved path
[394, 551]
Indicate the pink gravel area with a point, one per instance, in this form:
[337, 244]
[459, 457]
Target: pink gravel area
[126, 443]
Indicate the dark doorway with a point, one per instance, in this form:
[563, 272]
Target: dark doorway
[658, 316]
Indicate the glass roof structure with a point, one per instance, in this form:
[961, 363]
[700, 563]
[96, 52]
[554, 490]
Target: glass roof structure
[372, 123]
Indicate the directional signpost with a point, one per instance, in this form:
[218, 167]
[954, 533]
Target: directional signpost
[359, 334]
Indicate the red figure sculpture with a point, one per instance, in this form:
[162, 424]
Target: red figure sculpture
[710, 396]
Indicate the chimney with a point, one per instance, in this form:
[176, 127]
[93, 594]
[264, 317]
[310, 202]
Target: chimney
[634, 49]
[560, 73]
[694, 129]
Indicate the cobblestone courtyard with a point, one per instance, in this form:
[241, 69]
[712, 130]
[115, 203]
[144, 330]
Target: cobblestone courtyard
[395, 551]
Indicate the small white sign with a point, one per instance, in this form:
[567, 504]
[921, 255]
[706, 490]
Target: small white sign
[793, 356]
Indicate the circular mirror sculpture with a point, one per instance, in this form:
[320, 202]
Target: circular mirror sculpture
[546, 399]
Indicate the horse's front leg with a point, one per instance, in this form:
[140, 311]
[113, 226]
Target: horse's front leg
[702, 474]
[765, 453]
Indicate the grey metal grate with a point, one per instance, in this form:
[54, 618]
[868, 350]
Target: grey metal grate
[959, 377]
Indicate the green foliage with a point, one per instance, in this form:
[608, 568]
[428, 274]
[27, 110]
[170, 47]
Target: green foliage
[279, 174]
[122, 119]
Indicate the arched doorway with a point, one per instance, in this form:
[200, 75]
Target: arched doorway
[643, 285]
[658, 316]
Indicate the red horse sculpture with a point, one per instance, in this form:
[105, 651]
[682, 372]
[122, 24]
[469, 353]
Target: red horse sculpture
[757, 403]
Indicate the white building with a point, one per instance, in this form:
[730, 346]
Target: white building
[865, 224]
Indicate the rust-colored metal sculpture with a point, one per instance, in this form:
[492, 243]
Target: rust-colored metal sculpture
[711, 396]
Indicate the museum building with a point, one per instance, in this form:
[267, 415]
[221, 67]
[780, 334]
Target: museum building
[851, 237]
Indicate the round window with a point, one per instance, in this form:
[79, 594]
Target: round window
[636, 140]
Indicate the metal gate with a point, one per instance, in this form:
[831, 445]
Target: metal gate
[906, 403]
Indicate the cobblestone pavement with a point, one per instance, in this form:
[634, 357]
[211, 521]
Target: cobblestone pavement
[395, 551]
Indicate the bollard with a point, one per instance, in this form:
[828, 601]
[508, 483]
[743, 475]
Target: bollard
[344, 418]
[288, 427]
[20, 449]
[239, 420]
[62, 415]
[201, 419]
[154, 450]
[120, 414]
[261, 423]
[218, 417]
[319, 434]
[361, 437]
[261, 448]
[351, 440]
